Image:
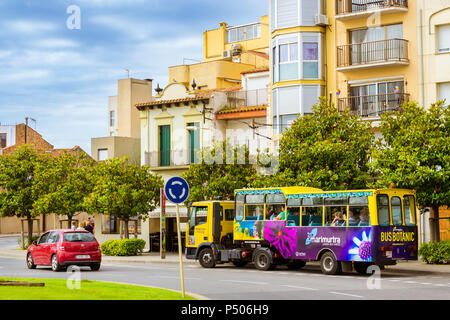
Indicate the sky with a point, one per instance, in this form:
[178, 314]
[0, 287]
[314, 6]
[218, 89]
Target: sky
[62, 77]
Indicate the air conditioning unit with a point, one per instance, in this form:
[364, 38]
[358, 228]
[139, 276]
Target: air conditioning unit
[322, 20]
[237, 50]
[227, 54]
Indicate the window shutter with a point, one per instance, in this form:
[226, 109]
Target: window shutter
[444, 38]
[287, 13]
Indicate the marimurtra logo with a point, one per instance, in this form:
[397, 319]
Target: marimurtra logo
[312, 238]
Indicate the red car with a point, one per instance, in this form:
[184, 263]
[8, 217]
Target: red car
[62, 248]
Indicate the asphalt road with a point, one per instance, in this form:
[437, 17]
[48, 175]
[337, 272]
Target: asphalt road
[226, 282]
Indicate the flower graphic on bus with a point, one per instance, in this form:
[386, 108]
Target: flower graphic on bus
[284, 239]
[362, 250]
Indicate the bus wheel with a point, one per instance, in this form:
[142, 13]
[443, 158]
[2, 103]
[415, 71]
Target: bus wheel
[296, 265]
[206, 258]
[329, 264]
[361, 267]
[263, 260]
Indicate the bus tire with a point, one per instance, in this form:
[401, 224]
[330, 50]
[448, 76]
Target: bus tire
[206, 258]
[263, 260]
[329, 265]
[296, 265]
[361, 267]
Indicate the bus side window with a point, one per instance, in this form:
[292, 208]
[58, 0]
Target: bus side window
[383, 209]
[239, 205]
[254, 207]
[312, 212]
[409, 210]
[396, 208]
[336, 211]
[293, 212]
[358, 212]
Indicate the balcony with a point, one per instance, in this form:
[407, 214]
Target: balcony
[392, 52]
[371, 106]
[247, 98]
[354, 9]
[170, 158]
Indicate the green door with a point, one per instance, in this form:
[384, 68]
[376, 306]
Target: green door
[194, 142]
[164, 146]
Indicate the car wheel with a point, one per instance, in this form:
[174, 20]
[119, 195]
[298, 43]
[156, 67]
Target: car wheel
[329, 265]
[55, 264]
[95, 266]
[263, 261]
[30, 261]
[206, 258]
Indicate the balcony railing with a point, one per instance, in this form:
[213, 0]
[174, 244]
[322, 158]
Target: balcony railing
[373, 105]
[356, 6]
[170, 158]
[366, 53]
[247, 98]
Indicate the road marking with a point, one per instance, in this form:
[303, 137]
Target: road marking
[440, 285]
[426, 283]
[172, 277]
[297, 287]
[411, 282]
[248, 282]
[346, 294]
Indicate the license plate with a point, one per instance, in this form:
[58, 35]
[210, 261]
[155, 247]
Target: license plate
[86, 256]
[389, 254]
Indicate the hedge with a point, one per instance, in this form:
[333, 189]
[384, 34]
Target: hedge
[25, 241]
[123, 247]
[435, 252]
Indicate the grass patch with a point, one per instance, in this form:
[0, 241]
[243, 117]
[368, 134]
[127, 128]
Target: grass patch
[56, 289]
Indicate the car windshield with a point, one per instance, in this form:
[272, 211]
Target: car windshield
[78, 237]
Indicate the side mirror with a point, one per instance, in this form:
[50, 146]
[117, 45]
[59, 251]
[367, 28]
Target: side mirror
[34, 242]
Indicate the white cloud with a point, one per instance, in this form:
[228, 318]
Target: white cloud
[28, 26]
[54, 43]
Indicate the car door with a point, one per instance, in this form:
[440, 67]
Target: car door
[40, 247]
[50, 247]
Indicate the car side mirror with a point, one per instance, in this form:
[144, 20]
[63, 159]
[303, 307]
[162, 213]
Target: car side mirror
[34, 242]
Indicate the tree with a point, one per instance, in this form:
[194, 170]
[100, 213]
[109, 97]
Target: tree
[18, 184]
[123, 191]
[328, 150]
[222, 169]
[63, 181]
[415, 154]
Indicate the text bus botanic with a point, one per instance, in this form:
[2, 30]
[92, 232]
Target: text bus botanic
[293, 225]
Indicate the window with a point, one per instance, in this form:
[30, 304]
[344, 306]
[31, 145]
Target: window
[293, 212]
[239, 205]
[53, 237]
[194, 141]
[78, 237]
[396, 208]
[43, 238]
[444, 92]
[336, 211]
[275, 204]
[229, 214]
[358, 212]
[443, 38]
[383, 210]
[310, 60]
[3, 140]
[244, 33]
[112, 118]
[409, 210]
[164, 146]
[110, 225]
[288, 59]
[254, 207]
[199, 215]
[312, 212]
[102, 154]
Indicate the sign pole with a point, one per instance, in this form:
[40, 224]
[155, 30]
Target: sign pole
[162, 225]
[180, 253]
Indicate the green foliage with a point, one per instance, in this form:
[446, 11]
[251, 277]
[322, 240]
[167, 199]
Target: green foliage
[123, 190]
[435, 252]
[63, 183]
[327, 150]
[26, 242]
[123, 247]
[415, 152]
[219, 173]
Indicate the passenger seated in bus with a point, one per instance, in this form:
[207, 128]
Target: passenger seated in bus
[365, 218]
[282, 215]
[353, 219]
[293, 219]
[271, 214]
[338, 220]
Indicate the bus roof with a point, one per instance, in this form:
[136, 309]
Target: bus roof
[307, 192]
